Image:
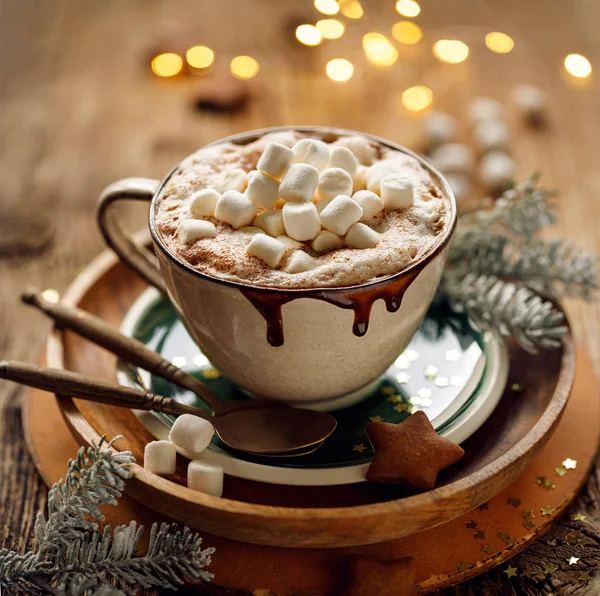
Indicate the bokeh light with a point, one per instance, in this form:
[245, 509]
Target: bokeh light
[330, 28]
[200, 56]
[339, 70]
[379, 49]
[407, 32]
[309, 35]
[452, 51]
[351, 9]
[499, 42]
[408, 8]
[417, 98]
[329, 7]
[167, 64]
[577, 65]
[244, 67]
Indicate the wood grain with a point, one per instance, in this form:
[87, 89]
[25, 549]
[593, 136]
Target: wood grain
[79, 110]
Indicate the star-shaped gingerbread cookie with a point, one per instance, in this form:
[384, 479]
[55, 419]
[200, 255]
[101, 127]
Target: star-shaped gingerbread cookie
[410, 452]
[369, 577]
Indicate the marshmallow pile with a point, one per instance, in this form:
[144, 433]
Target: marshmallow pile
[193, 434]
[312, 195]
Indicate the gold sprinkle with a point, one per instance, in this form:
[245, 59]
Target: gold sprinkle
[550, 569]
[572, 537]
[488, 549]
[430, 372]
[442, 381]
[51, 295]
[561, 471]
[411, 355]
[426, 402]
[376, 419]
[457, 381]
[402, 408]
[462, 566]
[211, 373]
[547, 510]
[545, 483]
[583, 541]
[402, 362]
[529, 524]
[452, 355]
[506, 538]
[479, 535]
[584, 576]
[471, 524]
[403, 378]
[359, 448]
[578, 517]
[570, 464]
[510, 571]
[514, 501]
[528, 514]
[551, 542]
[388, 390]
[517, 387]
[201, 360]
[395, 399]
[572, 560]
[415, 400]
[424, 392]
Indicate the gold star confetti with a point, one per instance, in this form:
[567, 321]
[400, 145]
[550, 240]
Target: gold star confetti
[570, 464]
[452, 355]
[528, 514]
[514, 501]
[411, 355]
[457, 381]
[395, 399]
[545, 483]
[529, 524]
[551, 542]
[510, 571]
[506, 538]
[442, 381]
[583, 541]
[572, 537]
[550, 569]
[359, 448]
[211, 373]
[547, 510]
[578, 517]
[479, 535]
[388, 390]
[584, 576]
[430, 372]
[402, 408]
[462, 566]
[403, 378]
[516, 387]
[484, 507]
[426, 402]
[415, 400]
[488, 549]
[560, 471]
[572, 560]
[376, 419]
[471, 524]
[424, 392]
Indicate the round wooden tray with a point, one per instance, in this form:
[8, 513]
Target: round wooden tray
[312, 517]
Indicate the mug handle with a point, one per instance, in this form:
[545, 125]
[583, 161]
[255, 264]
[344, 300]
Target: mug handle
[135, 257]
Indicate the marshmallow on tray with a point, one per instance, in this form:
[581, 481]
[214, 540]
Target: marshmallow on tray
[361, 236]
[235, 209]
[311, 152]
[290, 243]
[340, 214]
[205, 477]
[269, 250]
[453, 157]
[301, 221]
[496, 170]
[191, 230]
[159, 457]
[271, 222]
[235, 179]
[262, 190]
[300, 262]
[299, 183]
[439, 128]
[484, 108]
[491, 134]
[397, 192]
[371, 204]
[342, 157]
[203, 202]
[275, 160]
[191, 432]
[326, 241]
[334, 182]
[531, 101]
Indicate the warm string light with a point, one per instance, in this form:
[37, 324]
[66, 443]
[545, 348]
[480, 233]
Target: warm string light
[408, 8]
[339, 70]
[577, 65]
[499, 42]
[379, 50]
[417, 98]
[167, 64]
[330, 28]
[329, 7]
[200, 57]
[351, 9]
[309, 35]
[452, 51]
[407, 32]
[244, 67]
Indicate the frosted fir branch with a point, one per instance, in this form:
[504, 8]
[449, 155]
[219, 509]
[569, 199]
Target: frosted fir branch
[513, 311]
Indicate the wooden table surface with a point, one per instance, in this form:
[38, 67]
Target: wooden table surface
[79, 109]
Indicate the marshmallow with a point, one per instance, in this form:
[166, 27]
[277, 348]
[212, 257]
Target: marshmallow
[301, 221]
[235, 179]
[496, 170]
[271, 222]
[340, 214]
[453, 157]
[370, 203]
[311, 152]
[361, 236]
[531, 102]
[397, 192]
[440, 128]
[235, 209]
[364, 150]
[326, 241]
[250, 231]
[262, 190]
[279, 203]
[300, 262]
[342, 157]
[322, 204]
[191, 433]
[334, 182]
[205, 478]
[299, 183]
[269, 250]
[460, 185]
[290, 243]
[191, 230]
[375, 174]
[359, 181]
[159, 457]
[203, 202]
[484, 108]
[275, 160]
[491, 134]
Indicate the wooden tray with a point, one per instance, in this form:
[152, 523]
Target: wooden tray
[313, 517]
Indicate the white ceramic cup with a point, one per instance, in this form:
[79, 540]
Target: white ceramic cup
[321, 359]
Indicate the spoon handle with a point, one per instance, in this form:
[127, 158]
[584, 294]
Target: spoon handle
[64, 382]
[128, 348]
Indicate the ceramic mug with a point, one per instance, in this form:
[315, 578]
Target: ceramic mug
[319, 345]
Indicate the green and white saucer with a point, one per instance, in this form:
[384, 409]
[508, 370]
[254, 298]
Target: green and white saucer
[451, 371]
